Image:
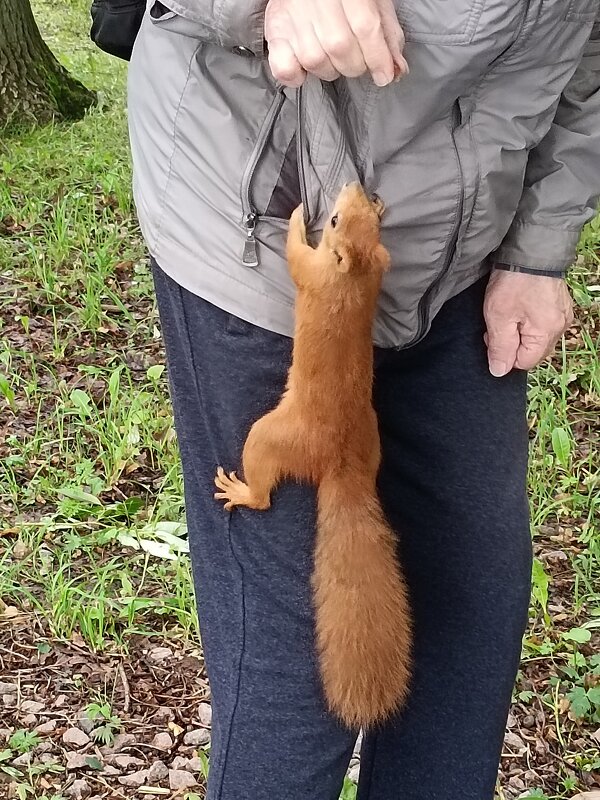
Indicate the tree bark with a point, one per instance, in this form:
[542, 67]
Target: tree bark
[34, 87]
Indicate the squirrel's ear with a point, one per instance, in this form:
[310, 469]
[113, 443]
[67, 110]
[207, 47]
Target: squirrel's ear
[381, 258]
[342, 256]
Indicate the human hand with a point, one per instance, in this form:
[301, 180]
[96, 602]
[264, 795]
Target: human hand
[525, 316]
[329, 38]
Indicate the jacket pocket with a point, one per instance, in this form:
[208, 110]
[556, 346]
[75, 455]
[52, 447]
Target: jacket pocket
[582, 10]
[469, 160]
[334, 145]
[467, 179]
[447, 22]
[424, 227]
[321, 148]
[269, 186]
[301, 153]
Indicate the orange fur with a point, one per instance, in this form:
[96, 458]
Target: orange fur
[324, 431]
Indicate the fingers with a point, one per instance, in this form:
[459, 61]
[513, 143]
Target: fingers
[502, 346]
[525, 316]
[533, 349]
[284, 65]
[394, 36]
[334, 32]
[310, 46]
[539, 333]
[329, 38]
[366, 25]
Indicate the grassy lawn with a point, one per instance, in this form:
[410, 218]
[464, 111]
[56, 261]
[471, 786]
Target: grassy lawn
[97, 618]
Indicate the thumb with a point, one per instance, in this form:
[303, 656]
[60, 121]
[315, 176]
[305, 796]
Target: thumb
[502, 345]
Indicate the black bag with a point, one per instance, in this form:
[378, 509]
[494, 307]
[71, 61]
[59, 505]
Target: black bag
[115, 24]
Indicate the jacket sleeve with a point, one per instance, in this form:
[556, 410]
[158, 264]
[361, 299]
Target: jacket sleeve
[562, 182]
[234, 24]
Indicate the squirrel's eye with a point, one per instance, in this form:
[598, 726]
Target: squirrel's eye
[334, 220]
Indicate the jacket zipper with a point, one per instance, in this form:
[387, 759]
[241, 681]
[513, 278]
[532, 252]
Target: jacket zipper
[424, 302]
[250, 216]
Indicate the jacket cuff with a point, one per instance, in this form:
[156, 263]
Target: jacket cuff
[549, 273]
[538, 247]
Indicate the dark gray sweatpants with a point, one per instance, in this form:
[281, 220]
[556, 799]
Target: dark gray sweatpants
[452, 482]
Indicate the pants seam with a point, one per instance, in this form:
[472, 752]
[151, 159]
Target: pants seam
[201, 402]
[225, 755]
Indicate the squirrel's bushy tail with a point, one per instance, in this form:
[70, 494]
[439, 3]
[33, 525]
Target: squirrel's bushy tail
[362, 612]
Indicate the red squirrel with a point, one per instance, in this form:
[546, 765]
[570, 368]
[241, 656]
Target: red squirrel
[324, 432]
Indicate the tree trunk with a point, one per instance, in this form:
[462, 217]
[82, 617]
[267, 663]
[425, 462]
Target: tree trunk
[34, 87]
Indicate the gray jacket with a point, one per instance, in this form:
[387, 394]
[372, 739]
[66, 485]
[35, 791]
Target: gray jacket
[491, 145]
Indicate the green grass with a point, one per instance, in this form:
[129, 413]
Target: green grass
[89, 456]
[89, 466]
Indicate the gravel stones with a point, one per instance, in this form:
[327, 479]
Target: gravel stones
[123, 761]
[86, 724]
[32, 707]
[181, 779]
[120, 741]
[162, 741]
[78, 790]
[159, 654]
[76, 761]
[135, 779]
[205, 714]
[75, 737]
[197, 738]
[158, 772]
[45, 728]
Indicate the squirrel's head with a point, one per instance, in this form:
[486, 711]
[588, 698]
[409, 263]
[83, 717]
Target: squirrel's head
[351, 234]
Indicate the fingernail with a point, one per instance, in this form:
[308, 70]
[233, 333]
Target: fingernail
[381, 79]
[400, 69]
[498, 368]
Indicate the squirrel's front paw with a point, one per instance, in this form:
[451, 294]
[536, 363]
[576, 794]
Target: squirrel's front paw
[297, 225]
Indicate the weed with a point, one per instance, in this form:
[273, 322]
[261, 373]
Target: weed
[23, 741]
[110, 724]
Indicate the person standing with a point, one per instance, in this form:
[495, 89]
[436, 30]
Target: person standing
[486, 152]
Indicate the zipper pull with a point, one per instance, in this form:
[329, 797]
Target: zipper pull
[250, 255]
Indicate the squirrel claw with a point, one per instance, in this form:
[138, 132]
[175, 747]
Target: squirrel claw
[224, 496]
[297, 224]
